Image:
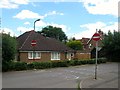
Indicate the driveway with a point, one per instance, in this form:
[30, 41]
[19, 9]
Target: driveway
[67, 77]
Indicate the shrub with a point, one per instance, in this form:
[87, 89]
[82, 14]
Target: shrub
[30, 66]
[39, 65]
[71, 63]
[76, 62]
[17, 66]
[102, 60]
[5, 66]
[92, 61]
[20, 66]
[83, 62]
[43, 65]
[11, 66]
[60, 64]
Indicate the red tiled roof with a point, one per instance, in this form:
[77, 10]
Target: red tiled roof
[85, 40]
[43, 43]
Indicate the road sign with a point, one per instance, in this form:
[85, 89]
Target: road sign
[33, 43]
[96, 37]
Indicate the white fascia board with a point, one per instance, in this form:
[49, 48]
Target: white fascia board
[35, 51]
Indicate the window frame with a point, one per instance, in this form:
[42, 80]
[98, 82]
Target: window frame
[55, 56]
[37, 55]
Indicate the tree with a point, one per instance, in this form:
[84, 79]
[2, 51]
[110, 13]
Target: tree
[111, 45]
[76, 45]
[54, 32]
[8, 48]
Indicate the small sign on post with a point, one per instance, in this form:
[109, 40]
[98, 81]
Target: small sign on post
[96, 37]
[33, 43]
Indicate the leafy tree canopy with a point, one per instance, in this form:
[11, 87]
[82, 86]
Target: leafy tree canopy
[111, 45]
[76, 45]
[54, 32]
[8, 47]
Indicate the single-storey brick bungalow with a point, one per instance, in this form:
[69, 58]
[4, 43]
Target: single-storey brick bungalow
[46, 49]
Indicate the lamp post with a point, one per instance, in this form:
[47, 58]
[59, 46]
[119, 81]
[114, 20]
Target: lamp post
[33, 43]
[35, 22]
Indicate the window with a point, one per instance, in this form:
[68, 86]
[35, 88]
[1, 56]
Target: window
[30, 55]
[37, 55]
[70, 55]
[55, 56]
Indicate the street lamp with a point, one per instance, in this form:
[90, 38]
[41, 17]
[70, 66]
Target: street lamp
[33, 43]
[35, 22]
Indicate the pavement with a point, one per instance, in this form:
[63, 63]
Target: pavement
[103, 80]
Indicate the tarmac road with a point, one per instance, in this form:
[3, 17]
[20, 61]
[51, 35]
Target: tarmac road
[67, 77]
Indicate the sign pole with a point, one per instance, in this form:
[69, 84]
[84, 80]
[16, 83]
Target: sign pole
[96, 38]
[96, 60]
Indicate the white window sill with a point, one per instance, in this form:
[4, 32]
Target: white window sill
[34, 58]
[55, 59]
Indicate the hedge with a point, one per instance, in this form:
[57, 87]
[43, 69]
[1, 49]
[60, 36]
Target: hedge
[17, 66]
[59, 64]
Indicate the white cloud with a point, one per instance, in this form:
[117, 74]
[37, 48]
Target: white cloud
[93, 25]
[12, 3]
[20, 2]
[53, 13]
[8, 31]
[7, 4]
[27, 14]
[40, 23]
[64, 27]
[90, 29]
[30, 15]
[27, 23]
[44, 24]
[102, 7]
[111, 27]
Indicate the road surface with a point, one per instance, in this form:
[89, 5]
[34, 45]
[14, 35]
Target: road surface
[65, 77]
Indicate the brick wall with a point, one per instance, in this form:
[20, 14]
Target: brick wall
[45, 56]
[83, 55]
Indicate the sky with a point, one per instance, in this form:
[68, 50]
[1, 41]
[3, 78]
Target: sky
[77, 18]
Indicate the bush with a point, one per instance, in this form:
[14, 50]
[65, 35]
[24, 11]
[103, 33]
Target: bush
[42, 65]
[30, 66]
[17, 66]
[71, 63]
[84, 62]
[76, 62]
[60, 64]
[102, 60]
[5, 66]
[39, 65]
[20, 66]
[92, 61]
